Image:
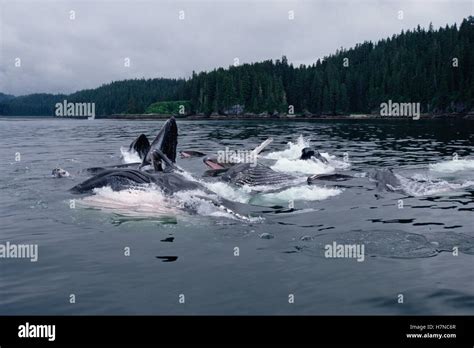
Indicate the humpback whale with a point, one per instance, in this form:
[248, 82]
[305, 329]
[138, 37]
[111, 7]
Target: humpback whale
[309, 153]
[123, 178]
[255, 175]
[169, 182]
[386, 180]
[165, 141]
[252, 174]
[161, 154]
[59, 173]
[165, 174]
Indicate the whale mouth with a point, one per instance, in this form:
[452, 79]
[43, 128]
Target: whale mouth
[140, 146]
[213, 165]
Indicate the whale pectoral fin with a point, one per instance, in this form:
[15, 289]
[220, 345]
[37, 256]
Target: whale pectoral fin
[328, 177]
[224, 205]
[262, 146]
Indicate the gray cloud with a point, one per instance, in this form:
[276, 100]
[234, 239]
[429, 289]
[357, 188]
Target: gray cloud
[63, 55]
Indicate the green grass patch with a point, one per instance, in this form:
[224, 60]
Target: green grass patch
[174, 107]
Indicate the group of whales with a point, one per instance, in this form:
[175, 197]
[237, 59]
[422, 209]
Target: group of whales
[158, 166]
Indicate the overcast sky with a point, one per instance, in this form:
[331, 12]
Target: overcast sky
[61, 55]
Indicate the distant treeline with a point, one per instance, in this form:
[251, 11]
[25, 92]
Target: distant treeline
[128, 96]
[432, 67]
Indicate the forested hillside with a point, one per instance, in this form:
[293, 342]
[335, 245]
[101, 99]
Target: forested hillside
[129, 96]
[433, 67]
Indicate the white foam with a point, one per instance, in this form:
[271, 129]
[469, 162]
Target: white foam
[292, 152]
[129, 156]
[335, 162]
[247, 194]
[208, 205]
[301, 193]
[147, 201]
[422, 185]
[226, 191]
[288, 160]
[150, 201]
[311, 167]
[452, 166]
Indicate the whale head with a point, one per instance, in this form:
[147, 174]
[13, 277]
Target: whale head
[386, 180]
[309, 153]
[166, 142]
[59, 173]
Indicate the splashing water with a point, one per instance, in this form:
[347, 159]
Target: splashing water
[129, 156]
[292, 152]
[421, 185]
[309, 167]
[241, 195]
[288, 160]
[452, 166]
[300, 193]
[139, 201]
[150, 201]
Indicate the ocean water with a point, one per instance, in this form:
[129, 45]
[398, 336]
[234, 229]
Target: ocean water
[138, 251]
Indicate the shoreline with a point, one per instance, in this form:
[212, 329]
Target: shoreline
[252, 117]
[465, 116]
[151, 117]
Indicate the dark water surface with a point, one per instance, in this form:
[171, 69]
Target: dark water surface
[81, 250]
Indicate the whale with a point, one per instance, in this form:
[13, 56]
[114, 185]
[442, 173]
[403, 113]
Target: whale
[256, 174]
[164, 173]
[160, 154]
[123, 178]
[389, 181]
[386, 180]
[309, 153]
[165, 141]
[60, 173]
